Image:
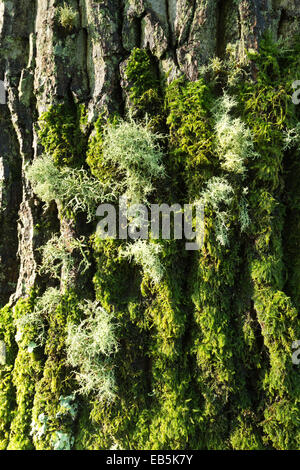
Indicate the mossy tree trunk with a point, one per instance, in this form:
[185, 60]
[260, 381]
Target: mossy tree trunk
[200, 364]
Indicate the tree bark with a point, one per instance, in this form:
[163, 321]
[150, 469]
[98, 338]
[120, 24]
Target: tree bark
[43, 64]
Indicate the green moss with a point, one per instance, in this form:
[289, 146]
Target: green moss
[56, 380]
[7, 389]
[94, 156]
[144, 88]
[7, 405]
[270, 113]
[116, 288]
[141, 77]
[191, 133]
[62, 134]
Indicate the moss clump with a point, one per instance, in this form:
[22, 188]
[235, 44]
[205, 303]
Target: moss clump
[7, 389]
[144, 88]
[270, 114]
[95, 148]
[90, 349]
[128, 158]
[62, 134]
[56, 383]
[146, 255]
[26, 373]
[143, 84]
[67, 17]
